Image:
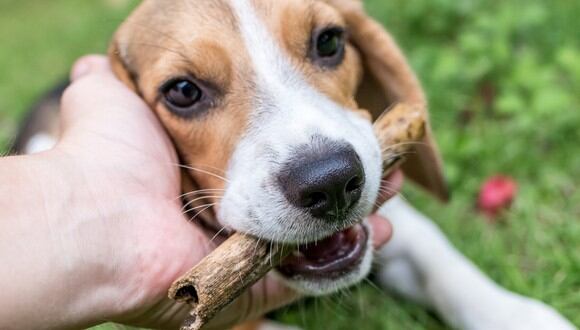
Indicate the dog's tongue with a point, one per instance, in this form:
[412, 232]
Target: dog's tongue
[332, 256]
[333, 246]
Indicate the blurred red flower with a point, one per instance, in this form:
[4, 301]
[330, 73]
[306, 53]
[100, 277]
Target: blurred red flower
[496, 194]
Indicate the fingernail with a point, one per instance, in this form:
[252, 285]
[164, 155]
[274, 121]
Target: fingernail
[80, 69]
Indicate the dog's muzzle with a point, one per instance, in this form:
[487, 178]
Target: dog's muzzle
[325, 179]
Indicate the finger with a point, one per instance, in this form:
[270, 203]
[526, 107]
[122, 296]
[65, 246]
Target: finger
[89, 64]
[390, 187]
[382, 230]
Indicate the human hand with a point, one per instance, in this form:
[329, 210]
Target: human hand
[115, 238]
[153, 243]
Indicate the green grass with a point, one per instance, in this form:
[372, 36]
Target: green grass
[39, 40]
[503, 79]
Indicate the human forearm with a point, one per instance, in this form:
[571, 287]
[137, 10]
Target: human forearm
[41, 277]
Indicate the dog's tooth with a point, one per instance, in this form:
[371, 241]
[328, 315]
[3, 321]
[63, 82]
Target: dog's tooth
[297, 253]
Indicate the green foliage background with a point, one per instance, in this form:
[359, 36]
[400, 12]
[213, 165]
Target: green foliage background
[503, 79]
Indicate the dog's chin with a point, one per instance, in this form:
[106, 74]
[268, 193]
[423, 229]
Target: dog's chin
[331, 264]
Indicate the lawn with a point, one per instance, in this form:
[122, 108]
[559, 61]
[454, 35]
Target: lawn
[503, 79]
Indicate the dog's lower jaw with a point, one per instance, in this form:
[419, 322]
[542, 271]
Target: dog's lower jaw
[319, 285]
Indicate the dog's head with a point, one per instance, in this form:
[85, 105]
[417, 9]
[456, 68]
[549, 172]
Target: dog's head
[262, 99]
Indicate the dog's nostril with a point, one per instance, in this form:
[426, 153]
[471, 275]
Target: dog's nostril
[354, 184]
[313, 199]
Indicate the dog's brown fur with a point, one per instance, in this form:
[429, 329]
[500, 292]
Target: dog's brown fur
[144, 54]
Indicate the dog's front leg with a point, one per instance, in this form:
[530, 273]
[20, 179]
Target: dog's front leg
[421, 264]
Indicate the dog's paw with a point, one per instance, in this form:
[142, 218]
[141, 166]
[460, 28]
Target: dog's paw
[515, 312]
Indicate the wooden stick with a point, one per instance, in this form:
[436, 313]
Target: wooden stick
[398, 130]
[225, 274]
[242, 260]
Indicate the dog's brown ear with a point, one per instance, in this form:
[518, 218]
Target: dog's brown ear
[388, 79]
[121, 67]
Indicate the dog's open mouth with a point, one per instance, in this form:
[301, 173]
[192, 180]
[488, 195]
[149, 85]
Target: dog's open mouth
[329, 258]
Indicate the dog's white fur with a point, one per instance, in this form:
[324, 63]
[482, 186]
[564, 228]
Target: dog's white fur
[40, 142]
[288, 113]
[419, 263]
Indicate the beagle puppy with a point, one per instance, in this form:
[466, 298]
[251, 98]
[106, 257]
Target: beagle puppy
[266, 92]
[269, 104]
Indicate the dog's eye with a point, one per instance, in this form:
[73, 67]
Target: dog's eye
[328, 43]
[182, 94]
[328, 46]
[188, 97]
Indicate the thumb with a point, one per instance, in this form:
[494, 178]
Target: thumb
[97, 99]
[96, 91]
[89, 64]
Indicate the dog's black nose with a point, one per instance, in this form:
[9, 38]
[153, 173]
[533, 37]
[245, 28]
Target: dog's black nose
[327, 180]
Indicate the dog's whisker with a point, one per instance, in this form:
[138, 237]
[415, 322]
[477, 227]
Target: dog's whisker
[403, 197]
[375, 287]
[257, 245]
[387, 191]
[302, 308]
[395, 156]
[387, 188]
[196, 192]
[184, 58]
[329, 304]
[387, 184]
[387, 110]
[346, 294]
[270, 254]
[377, 205]
[193, 208]
[400, 144]
[200, 212]
[209, 167]
[203, 171]
[197, 208]
[207, 196]
[217, 234]
[360, 301]
[217, 169]
[200, 198]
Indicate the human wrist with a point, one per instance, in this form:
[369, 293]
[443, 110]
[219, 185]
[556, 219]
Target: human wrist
[50, 274]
